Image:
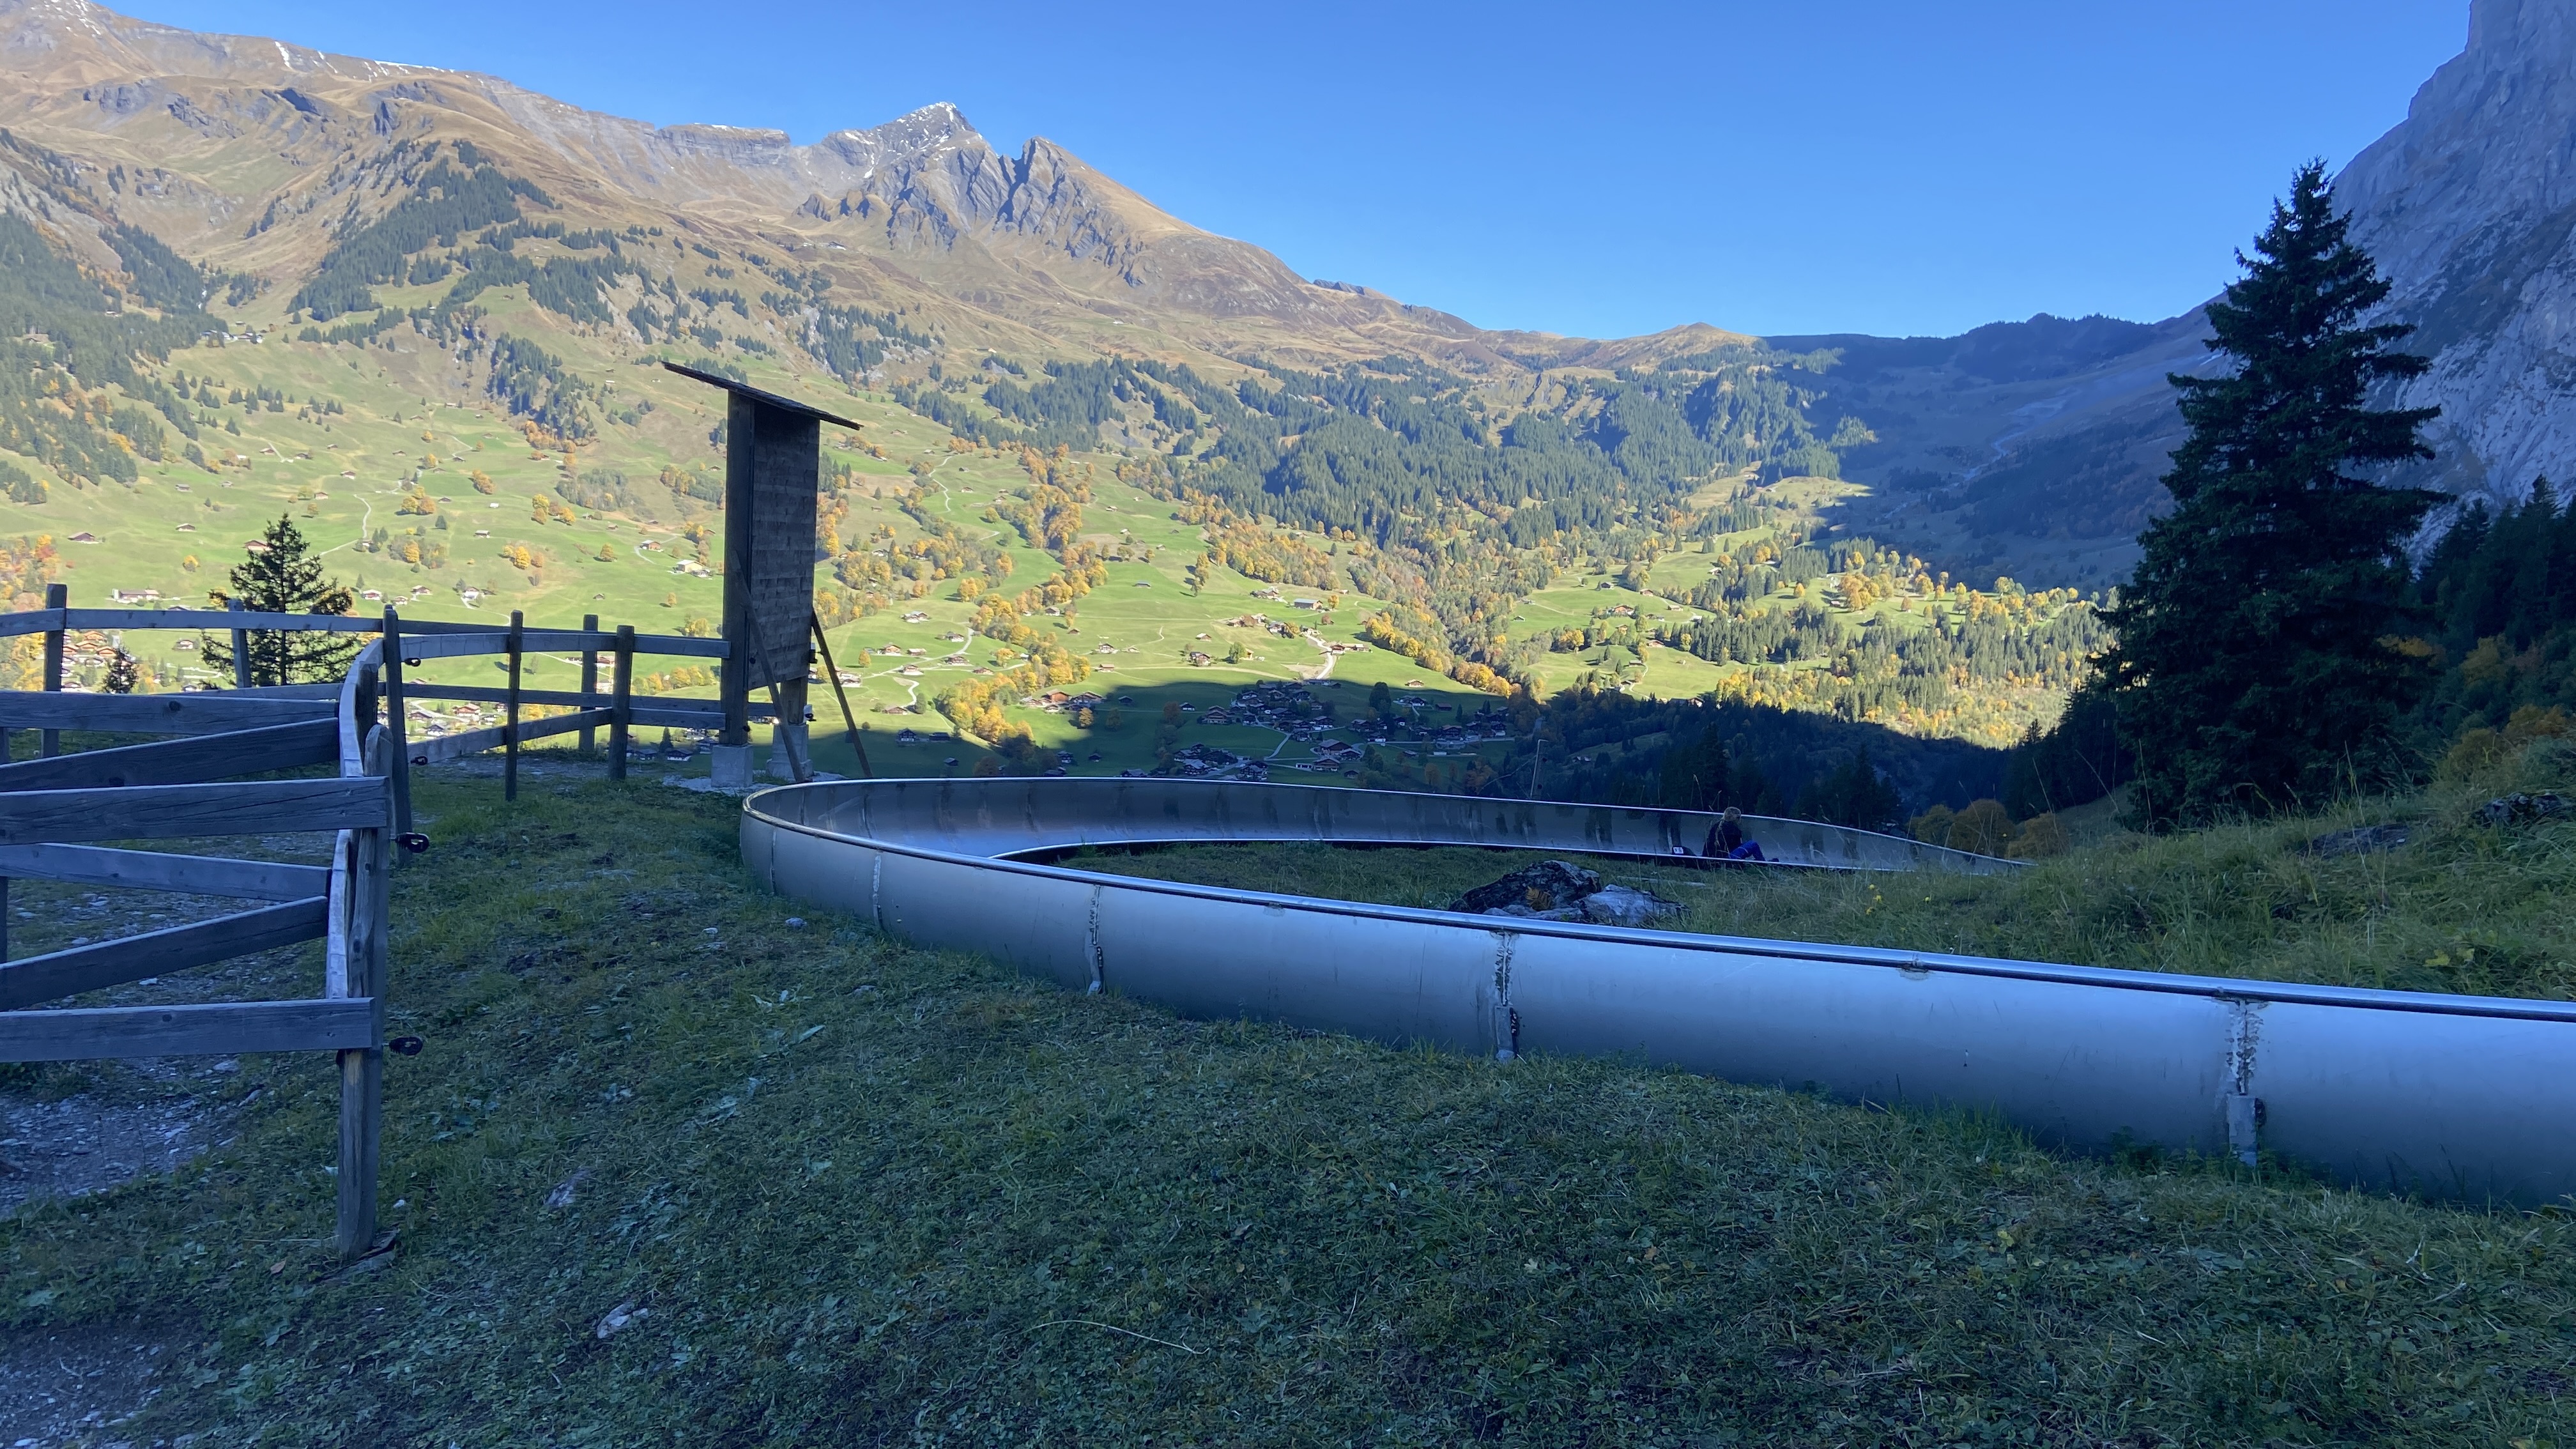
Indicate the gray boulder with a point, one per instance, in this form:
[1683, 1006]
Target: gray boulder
[2523, 809]
[1553, 890]
[1550, 885]
[1620, 905]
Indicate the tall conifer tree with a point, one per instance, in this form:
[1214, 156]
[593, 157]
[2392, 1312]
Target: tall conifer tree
[2255, 664]
[284, 578]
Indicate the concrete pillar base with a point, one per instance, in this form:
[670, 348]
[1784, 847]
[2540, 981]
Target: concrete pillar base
[731, 766]
[781, 763]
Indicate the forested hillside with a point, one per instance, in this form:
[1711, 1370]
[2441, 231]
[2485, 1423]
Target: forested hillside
[1659, 531]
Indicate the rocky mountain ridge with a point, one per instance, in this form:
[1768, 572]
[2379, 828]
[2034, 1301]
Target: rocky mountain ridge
[1034, 251]
[2469, 206]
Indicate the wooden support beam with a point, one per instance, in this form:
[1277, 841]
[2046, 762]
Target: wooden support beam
[52, 744]
[621, 705]
[158, 714]
[362, 1068]
[160, 953]
[589, 678]
[183, 761]
[358, 698]
[241, 648]
[219, 1029]
[733, 679]
[152, 870]
[170, 812]
[510, 717]
[396, 719]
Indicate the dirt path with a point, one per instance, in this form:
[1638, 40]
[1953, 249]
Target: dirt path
[75, 1386]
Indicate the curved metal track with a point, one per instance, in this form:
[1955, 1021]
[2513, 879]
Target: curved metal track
[2452, 1096]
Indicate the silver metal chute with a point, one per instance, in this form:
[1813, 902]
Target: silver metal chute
[2450, 1096]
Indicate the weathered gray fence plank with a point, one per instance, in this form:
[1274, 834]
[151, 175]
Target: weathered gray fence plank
[688, 717]
[289, 691]
[183, 761]
[363, 973]
[164, 714]
[218, 1029]
[493, 694]
[40, 621]
[216, 619]
[159, 953]
[169, 812]
[419, 642]
[474, 742]
[210, 875]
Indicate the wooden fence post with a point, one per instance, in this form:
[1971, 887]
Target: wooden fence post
[397, 721]
[510, 714]
[241, 650]
[621, 701]
[589, 677]
[362, 1070]
[56, 596]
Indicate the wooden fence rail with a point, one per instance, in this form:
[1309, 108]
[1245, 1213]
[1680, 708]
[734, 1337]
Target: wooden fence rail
[55, 620]
[200, 757]
[227, 1028]
[155, 714]
[205, 875]
[32, 979]
[167, 812]
[190, 786]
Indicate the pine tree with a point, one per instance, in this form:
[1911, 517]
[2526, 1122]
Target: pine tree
[2255, 664]
[284, 578]
[1694, 772]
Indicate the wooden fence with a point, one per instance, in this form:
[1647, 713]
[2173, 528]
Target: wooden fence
[52, 808]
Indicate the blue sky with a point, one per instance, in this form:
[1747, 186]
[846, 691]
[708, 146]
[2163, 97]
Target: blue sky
[1807, 166]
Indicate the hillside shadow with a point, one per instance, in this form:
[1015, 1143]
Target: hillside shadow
[1602, 748]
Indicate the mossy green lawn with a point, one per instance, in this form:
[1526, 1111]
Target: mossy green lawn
[854, 1192]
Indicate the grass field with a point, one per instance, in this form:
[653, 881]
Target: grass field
[342, 476]
[2462, 907]
[847, 1192]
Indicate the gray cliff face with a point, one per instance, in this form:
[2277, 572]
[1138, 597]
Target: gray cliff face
[2469, 205]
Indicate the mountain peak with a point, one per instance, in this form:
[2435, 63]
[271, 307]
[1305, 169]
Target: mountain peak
[917, 131]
